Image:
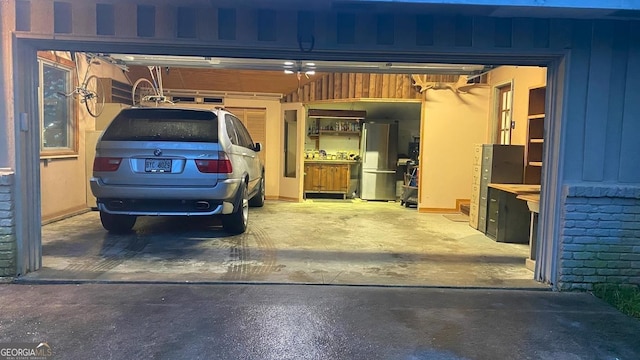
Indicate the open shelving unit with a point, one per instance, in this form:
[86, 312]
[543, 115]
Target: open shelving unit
[116, 91]
[346, 123]
[535, 135]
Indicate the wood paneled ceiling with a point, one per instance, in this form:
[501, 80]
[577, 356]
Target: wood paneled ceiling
[230, 80]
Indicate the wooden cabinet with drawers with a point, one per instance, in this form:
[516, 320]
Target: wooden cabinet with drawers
[327, 178]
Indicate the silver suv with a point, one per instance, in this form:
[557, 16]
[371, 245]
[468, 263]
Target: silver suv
[176, 162]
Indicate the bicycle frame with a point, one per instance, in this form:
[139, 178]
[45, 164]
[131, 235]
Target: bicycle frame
[83, 84]
[156, 79]
[92, 98]
[154, 93]
[82, 87]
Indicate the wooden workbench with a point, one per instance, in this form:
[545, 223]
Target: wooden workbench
[517, 189]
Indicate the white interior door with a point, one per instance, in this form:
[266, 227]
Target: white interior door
[291, 164]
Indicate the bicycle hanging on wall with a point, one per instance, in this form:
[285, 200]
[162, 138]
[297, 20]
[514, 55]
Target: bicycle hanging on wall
[91, 90]
[149, 92]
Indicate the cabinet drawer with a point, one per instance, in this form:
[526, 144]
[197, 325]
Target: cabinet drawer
[486, 177]
[487, 159]
[493, 209]
[482, 223]
[483, 194]
[492, 228]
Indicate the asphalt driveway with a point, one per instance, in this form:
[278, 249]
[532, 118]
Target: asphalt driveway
[227, 321]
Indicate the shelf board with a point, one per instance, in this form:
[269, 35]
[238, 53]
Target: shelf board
[334, 132]
[337, 114]
[535, 163]
[536, 117]
[536, 141]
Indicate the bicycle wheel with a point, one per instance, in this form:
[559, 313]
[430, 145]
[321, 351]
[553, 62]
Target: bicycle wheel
[142, 90]
[94, 97]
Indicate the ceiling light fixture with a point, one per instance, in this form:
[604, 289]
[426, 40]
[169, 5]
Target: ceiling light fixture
[299, 68]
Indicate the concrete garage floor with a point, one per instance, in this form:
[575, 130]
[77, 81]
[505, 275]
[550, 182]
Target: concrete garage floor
[315, 242]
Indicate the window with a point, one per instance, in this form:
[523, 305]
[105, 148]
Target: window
[231, 130]
[254, 120]
[504, 114]
[290, 142]
[154, 124]
[243, 134]
[59, 128]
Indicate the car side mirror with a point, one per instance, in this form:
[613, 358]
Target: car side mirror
[257, 147]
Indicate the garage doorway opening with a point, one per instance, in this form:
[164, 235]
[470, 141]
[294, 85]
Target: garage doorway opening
[432, 96]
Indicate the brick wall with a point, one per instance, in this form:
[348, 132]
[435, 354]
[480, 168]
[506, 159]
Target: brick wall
[600, 240]
[7, 228]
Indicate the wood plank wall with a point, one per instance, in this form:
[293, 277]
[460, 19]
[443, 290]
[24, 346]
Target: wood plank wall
[340, 86]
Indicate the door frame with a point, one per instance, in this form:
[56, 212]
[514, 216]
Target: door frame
[497, 119]
[28, 207]
[292, 188]
[27, 217]
[494, 122]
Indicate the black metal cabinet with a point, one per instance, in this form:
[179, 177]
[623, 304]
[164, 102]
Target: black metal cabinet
[502, 164]
[508, 218]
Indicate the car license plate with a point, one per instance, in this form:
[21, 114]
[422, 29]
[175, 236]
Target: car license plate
[157, 165]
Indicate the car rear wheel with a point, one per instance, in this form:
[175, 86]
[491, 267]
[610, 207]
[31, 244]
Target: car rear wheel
[117, 224]
[236, 222]
[258, 199]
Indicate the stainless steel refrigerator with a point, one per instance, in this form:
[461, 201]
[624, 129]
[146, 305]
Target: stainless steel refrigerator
[379, 161]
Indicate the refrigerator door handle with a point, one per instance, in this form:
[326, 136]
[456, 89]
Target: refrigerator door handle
[363, 149]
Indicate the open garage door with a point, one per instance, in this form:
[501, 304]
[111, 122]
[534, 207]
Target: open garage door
[434, 125]
[326, 239]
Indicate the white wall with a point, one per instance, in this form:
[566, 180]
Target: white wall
[452, 124]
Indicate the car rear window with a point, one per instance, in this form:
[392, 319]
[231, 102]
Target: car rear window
[163, 125]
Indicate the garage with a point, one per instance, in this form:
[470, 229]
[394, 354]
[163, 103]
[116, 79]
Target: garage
[506, 112]
[423, 249]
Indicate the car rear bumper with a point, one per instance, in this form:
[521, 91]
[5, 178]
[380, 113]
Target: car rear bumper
[166, 200]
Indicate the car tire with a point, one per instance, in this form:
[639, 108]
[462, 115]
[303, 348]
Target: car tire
[236, 222]
[117, 224]
[258, 199]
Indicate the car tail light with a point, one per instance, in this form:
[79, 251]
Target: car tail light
[106, 164]
[222, 165]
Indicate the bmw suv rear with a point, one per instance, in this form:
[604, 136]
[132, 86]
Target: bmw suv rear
[176, 162]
